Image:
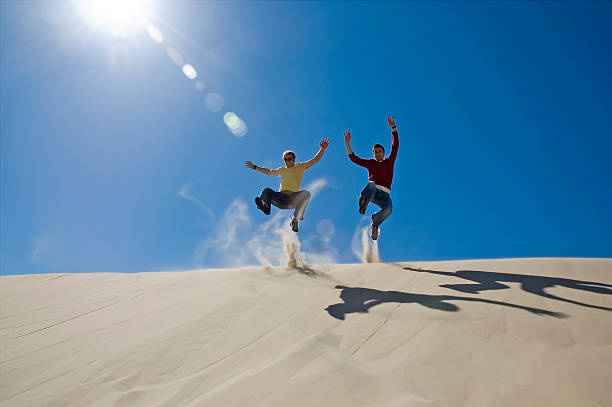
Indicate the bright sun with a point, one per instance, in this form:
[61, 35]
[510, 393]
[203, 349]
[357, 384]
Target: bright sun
[120, 17]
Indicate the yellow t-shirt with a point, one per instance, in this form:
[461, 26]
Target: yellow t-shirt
[291, 178]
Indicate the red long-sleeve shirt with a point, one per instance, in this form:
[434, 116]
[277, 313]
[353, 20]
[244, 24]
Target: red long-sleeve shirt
[380, 172]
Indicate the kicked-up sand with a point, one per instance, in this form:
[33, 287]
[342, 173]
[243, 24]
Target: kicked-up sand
[508, 332]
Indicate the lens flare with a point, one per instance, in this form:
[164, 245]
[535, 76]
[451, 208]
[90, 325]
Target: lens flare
[326, 228]
[235, 124]
[175, 56]
[155, 34]
[199, 85]
[189, 71]
[231, 120]
[214, 102]
[241, 131]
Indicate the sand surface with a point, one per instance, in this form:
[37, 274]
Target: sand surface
[511, 332]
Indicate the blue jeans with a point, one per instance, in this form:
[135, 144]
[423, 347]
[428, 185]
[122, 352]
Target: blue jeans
[379, 198]
[298, 200]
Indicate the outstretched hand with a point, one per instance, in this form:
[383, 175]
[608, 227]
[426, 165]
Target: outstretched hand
[391, 121]
[248, 164]
[347, 136]
[324, 143]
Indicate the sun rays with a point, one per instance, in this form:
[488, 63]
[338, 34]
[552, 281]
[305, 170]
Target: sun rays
[127, 20]
[119, 17]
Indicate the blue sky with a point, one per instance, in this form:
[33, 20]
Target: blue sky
[112, 160]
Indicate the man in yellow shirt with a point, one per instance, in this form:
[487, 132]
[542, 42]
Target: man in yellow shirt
[289, 195]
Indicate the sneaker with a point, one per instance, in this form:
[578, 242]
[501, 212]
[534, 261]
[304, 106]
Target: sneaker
[363, 204]
[294, 225]
[262, 206]
[374, 232]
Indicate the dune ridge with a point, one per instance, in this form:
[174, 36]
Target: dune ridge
[502, 332]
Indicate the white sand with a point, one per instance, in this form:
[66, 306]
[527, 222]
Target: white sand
[276, 337]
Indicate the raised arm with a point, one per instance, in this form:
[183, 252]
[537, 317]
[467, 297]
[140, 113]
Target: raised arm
[395, 138]
[347, 142]
[323, 144]
[263, 170]
[351, 155]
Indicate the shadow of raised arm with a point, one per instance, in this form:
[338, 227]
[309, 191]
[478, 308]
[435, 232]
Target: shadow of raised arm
[360, 300]
[488, 280]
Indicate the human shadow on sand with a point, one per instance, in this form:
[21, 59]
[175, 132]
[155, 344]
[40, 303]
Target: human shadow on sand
[358, 299]
[488, 280]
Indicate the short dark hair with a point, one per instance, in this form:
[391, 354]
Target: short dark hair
[378, 145]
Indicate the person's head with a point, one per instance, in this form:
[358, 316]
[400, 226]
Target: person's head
[378, 151]
[289, 158]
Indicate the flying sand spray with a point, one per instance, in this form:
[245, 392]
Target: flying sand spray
[370, 248]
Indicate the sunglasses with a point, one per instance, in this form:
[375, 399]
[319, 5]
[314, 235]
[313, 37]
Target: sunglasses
[289, 158]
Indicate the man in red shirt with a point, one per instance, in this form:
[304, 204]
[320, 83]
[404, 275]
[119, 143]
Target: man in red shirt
[380, 176]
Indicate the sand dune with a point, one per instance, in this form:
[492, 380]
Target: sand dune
[512, 332]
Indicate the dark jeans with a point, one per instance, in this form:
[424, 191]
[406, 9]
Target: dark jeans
[380, 198]
[298, 200]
